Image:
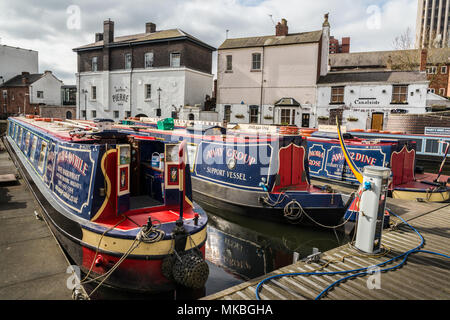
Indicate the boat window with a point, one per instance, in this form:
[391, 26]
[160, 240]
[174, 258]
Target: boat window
[19, 139]
[33, 148]
[432, 146]
[42, 156]
[419, 145]
[27, 142]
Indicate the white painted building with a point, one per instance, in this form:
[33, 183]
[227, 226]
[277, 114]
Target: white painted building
[153, 74]
[14, 61]
[272, 79]
[46, 90]
[364, 100]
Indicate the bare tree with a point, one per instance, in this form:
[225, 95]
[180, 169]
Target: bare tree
[404, 41]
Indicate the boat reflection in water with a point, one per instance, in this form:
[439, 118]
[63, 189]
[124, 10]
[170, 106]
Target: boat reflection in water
[249, 248]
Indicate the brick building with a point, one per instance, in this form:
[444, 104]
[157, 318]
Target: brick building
[26, 93]
[339, 47]
[153, 74]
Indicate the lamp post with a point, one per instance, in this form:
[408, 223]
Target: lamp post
[85, 92]
[158, 112]
[24, 101]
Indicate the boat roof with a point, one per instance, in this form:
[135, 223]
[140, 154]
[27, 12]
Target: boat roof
[58, 128]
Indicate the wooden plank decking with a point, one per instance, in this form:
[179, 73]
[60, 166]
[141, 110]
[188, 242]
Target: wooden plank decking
[423, 277]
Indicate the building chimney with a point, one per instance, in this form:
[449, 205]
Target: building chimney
[108, 31]
[25, 77]
[282, 28]
[150, 27]
[324, 59]
[98, 36]
[423, 59]
[47, 71]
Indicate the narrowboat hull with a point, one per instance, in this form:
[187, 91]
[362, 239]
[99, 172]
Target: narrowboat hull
[98, 248]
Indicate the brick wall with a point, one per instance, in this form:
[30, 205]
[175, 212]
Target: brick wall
[57, 111]
[192, 56]
[14, 102]
[416, 123]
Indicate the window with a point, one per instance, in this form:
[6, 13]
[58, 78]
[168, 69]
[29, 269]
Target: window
[400, 94]
[227, 113]
[93, 93]
[431, 90]
[432, 146]
[158, 112]
[229, 63]
[175, 60]
[40, 94]
[33, 148]
[337, 94]
[127, 114]
[42, 156]
[256, 61]
[128, 61]
[254, 114]
[68, 115]
[148, 60]
[27, 142]
[442, 91]
[94, 64]
[148, 91]
[444, 70]
[287, 116]
[94, 113]
[432, 70]
[83, 114]
[116, 114]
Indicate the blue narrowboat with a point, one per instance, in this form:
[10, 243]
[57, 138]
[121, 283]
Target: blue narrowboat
[327, 161]
[124, 229]
[264, 176]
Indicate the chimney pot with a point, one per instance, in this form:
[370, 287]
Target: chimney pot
[282, 28]
[98, 36]
[150, 27]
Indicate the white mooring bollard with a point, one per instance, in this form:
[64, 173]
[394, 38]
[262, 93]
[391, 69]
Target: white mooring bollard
[371, 209]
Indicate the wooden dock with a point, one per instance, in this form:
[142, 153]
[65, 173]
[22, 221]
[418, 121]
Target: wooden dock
[423, 277]
[33, 265]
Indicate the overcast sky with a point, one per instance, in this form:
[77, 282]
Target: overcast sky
[55, 27]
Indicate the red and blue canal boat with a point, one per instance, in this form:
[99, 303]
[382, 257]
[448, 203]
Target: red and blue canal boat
[125, 228]
[265, 176]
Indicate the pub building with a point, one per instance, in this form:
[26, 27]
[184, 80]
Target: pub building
[151, 74]
[364, 100]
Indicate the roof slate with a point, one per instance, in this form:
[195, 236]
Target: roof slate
[399, 77]
[265, 41]
[141, 37]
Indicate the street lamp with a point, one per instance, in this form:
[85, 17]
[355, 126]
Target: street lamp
[85, 92]
[158, 112]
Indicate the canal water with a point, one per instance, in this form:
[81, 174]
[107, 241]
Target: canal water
[241, 248]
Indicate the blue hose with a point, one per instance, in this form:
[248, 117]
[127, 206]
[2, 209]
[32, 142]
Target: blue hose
[361, 271]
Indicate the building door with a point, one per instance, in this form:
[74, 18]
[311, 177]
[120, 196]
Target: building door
[305, 120]
[335, 113]
[377, 121]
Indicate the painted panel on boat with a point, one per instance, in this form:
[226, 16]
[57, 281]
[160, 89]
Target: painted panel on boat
[73, 177]
[236, 165]
[327, 160]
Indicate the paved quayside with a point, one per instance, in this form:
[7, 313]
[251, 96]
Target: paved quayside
[423, 277]
[32, 265]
